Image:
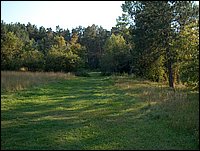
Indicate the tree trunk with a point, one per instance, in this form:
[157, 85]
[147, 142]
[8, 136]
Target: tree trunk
[171, 79]
[170, 72]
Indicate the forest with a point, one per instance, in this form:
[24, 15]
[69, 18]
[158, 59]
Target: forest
[158, 41]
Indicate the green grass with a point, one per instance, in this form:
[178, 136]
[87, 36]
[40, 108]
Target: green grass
[99, 113]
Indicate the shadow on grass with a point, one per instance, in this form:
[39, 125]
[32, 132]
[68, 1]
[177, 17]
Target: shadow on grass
[85, 113]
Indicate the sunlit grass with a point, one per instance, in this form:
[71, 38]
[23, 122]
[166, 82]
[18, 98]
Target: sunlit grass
[100, 113]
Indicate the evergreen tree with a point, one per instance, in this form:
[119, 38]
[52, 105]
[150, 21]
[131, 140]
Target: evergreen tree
[155, 25]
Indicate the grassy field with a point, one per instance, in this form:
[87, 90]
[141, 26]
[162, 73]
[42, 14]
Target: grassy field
[100, 112]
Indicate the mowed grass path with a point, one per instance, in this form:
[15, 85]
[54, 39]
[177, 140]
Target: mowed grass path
[86, 113]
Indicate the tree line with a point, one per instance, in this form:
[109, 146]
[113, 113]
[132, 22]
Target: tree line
[156, 40]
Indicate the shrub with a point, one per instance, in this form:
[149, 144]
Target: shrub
[82, 73]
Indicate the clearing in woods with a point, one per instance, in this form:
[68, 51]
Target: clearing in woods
[97, 112]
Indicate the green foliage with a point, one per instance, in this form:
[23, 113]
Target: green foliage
[156, 71]
[33, 60]
[152, 39]
[59, 41]
[11, 49]
[78, 50]
[157, 30]
[190, 74]
[94, 39]
[62, 57]
[37, 53]
[116, 57]
[58, 60]
[188, 48]
[151, 23]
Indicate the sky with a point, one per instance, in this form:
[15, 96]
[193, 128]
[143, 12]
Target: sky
[66, 14]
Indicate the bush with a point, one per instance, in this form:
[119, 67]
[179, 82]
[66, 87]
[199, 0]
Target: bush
[116, 56]
[82, 73]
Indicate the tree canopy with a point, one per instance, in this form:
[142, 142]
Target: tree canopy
[156, 40]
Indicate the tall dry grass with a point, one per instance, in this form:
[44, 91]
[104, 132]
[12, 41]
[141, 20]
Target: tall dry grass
[16, 80]
[180, 107]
